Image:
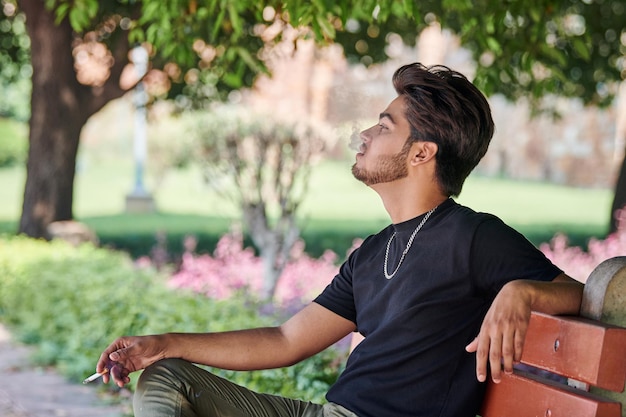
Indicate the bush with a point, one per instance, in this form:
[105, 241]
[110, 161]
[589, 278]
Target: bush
[13, 143]
[72, 302]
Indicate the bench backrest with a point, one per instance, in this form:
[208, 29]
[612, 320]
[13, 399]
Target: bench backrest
[558, 349]
[564, 357]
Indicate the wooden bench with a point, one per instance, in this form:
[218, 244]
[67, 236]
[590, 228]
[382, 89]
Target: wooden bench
[587, 352]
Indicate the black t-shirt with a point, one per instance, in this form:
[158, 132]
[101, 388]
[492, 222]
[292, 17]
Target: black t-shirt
[412, 361]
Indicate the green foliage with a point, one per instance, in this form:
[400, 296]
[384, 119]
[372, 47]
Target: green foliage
[72, 302]
[15, 95]
[14, 42]
[139, 243]
[522, 49]
[15, 69]
[13, 143]
[568, 48]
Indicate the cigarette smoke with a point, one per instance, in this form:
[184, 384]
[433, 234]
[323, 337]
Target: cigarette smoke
[355, 140]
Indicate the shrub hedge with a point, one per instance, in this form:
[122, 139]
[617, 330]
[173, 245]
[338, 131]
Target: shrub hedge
[72, 302]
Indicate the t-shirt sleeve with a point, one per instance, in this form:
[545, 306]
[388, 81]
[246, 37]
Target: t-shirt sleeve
[500, 254]
[338, 296]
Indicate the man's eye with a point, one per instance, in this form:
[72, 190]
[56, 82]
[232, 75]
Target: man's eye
[382, 126]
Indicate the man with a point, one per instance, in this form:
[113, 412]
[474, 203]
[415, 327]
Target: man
[438, 284]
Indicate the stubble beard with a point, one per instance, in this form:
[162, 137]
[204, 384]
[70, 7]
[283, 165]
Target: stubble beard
[387, 169]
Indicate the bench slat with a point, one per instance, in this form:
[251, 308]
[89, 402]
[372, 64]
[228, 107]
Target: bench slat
[581, 349]
[523, 395]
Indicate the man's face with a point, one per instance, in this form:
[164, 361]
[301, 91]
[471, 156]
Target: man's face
[382, 156]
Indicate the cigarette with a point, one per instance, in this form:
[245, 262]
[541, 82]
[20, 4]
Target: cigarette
[95, 376]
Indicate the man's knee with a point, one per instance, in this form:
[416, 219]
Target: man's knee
[164, 372]
[162, 389]
[177, 387]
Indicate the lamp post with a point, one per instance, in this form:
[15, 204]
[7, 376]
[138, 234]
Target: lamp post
[139, 200]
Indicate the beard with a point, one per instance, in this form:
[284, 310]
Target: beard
[388, 168]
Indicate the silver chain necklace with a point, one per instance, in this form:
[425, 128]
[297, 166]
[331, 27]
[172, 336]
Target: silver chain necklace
[408, 245]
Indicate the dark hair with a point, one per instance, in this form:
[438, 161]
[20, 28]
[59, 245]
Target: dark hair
[444, 107]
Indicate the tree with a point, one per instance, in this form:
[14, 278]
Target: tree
[60, 106]
[64, 95]
[522, 49]
[269, 163]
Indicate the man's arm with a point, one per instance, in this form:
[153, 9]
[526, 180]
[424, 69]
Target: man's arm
[308, 332]
[501, 336]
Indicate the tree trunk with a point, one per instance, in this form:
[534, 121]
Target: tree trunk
[619, 197]
[55, 123]
[60, 106]
[274, 244]
[272, 268]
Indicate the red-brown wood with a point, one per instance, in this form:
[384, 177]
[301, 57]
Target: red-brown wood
[577, 348]
[522, 395]
[581, 349]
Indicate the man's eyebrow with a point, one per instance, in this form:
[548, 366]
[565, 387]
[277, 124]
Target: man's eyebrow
[386, 115]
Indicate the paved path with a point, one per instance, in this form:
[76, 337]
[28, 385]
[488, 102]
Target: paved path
[30, 391]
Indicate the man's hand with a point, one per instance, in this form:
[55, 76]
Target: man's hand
[129, 354]
[501, 337]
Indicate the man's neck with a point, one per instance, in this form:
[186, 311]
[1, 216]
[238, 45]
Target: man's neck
[403, 204]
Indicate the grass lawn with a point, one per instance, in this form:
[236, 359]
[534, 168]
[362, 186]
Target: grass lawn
[336, 210]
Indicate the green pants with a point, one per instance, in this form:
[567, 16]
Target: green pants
[176, 388]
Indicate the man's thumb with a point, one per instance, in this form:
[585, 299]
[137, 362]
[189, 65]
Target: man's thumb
[473, 346]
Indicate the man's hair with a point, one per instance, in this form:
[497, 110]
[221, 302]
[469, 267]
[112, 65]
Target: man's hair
[444, 107]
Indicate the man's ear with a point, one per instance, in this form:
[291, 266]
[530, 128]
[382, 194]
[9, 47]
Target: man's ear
[423, 152]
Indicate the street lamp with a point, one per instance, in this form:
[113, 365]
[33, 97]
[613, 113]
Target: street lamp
[140, 200]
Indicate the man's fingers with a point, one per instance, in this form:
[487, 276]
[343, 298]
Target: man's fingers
[119, 375]
[520, 336]
[500, 351]
[508, 352]
[482, 355]
[118, 354]
[495, 357]
[472, 346]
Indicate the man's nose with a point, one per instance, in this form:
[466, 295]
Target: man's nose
[364, 135]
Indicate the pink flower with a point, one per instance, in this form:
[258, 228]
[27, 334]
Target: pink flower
[234, 268]
[578, 263]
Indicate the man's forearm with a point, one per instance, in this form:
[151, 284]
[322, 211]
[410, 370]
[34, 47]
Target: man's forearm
[308, 332]
[251, 349]
[563, 295]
